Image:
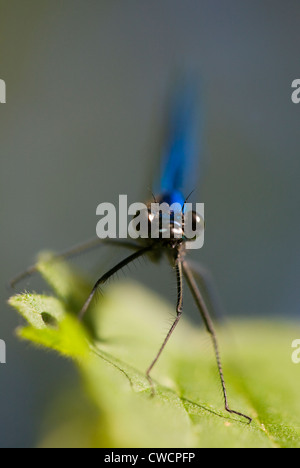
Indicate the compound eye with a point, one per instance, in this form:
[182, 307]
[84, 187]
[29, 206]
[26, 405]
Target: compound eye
[197, 221]
[193, 225]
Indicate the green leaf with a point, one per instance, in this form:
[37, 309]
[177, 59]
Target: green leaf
[119, 339]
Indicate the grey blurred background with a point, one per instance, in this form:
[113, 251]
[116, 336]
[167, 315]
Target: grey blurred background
[87, 83]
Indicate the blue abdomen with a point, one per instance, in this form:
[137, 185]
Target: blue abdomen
[180, 155]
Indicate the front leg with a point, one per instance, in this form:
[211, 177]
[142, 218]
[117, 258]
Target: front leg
[110, 273]
[178, 269]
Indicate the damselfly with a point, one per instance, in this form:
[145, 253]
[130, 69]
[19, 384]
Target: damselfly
[179, 163]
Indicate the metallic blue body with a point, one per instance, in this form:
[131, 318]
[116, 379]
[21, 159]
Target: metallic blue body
[180, 156]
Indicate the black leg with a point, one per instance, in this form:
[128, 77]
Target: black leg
[77, 250]
[178, 268]
[207, 286]
[210, 328]
[110, 273]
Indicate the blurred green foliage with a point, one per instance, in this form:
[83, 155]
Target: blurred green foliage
[115, 344]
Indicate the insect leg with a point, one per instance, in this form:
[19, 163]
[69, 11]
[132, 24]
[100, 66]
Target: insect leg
[77, 250]
[210, 328]
[110, 273]
[178, 268]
